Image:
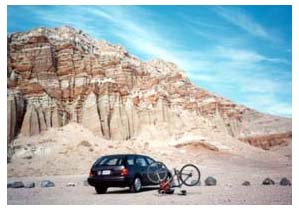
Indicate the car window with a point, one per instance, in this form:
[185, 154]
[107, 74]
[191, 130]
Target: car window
[110, 161]
[130, 160]
[149, 160]
[140, 161]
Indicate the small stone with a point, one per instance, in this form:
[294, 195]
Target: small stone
[285, 182]
[47, 183]
[16, 184]
[246, 183]
[29, 185]
[210, 181]
[71, 184]
[268, 181]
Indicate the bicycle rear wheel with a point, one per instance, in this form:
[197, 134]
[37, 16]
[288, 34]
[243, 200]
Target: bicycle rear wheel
[157, 172]
[190, 175]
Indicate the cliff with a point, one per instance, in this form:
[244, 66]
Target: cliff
[61, 75]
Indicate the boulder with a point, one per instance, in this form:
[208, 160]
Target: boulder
[285, 182]
[210, 181]
[246, 183]
[16, 184]
[268, 181]
[29, 185]
[47, 183]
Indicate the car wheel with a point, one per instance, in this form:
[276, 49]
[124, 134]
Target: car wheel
[136, 185]
[100, 189]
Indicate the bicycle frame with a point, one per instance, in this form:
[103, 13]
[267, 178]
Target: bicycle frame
[188, 175]
[178, 179]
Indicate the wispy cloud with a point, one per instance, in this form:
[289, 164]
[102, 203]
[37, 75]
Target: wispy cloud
[243, 20]
[246, 55]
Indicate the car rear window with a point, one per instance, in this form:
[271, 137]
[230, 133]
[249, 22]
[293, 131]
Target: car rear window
[110, 161]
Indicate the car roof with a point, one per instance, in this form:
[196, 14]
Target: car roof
[122, 155]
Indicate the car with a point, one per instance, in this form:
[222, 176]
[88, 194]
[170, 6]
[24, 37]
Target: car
[120, 170]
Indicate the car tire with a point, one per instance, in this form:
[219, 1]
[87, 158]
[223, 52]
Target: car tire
[136, 185]
[101, 189]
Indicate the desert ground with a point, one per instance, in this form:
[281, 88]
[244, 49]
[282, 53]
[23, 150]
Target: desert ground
[70, 151]
[222, 193]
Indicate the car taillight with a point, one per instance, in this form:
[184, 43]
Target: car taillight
[124, 172]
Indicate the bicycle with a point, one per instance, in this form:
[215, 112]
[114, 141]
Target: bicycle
[158, 173]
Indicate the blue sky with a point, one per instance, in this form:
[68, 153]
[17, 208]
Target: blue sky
[243, 53]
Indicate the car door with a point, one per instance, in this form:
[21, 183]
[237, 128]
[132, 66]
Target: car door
[141, 165]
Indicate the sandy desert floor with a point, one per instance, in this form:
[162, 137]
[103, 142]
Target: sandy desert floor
[66, 155]
[222, 193]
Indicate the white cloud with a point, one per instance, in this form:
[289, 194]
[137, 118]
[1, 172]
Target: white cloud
[243, 20]
[244, 55]
[239, 54]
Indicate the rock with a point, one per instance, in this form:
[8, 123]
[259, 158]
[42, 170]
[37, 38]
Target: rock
[29, 185]
[47, 183]
[71, 184]
[210, 181]
[16, 184]
[285, 182]
[8, 159]
[246, 183]
[267, 141]
[61, 75]
[15, 113]
[268, 181]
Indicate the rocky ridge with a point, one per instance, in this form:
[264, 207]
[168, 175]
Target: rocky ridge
[61, 75]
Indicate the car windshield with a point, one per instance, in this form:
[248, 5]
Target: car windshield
[110, 161]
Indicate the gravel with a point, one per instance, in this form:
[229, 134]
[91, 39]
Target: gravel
[229, 193]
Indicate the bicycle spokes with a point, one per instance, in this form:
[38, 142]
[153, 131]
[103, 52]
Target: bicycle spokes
[157, 172]
[190, 175]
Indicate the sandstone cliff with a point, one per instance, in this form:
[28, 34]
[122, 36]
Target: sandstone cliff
[61, 75]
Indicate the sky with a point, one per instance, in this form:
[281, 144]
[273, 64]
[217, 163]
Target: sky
[243, 53]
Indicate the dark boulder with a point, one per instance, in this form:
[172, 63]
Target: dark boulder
[16, 184]
[47, 183]
[246, 183]
[210, 181]
[268, 181]
[285, 182]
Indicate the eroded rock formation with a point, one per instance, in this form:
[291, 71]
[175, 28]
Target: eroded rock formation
[61, 75]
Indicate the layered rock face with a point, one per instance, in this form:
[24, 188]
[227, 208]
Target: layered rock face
[61, 75]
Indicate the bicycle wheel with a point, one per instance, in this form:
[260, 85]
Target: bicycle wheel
[156, 172]
[189, 175]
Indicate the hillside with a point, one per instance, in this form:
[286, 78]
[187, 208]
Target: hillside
[62, 75]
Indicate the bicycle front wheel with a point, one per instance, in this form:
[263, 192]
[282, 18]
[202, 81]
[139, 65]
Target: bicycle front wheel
[157, 172]
[190, 175]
